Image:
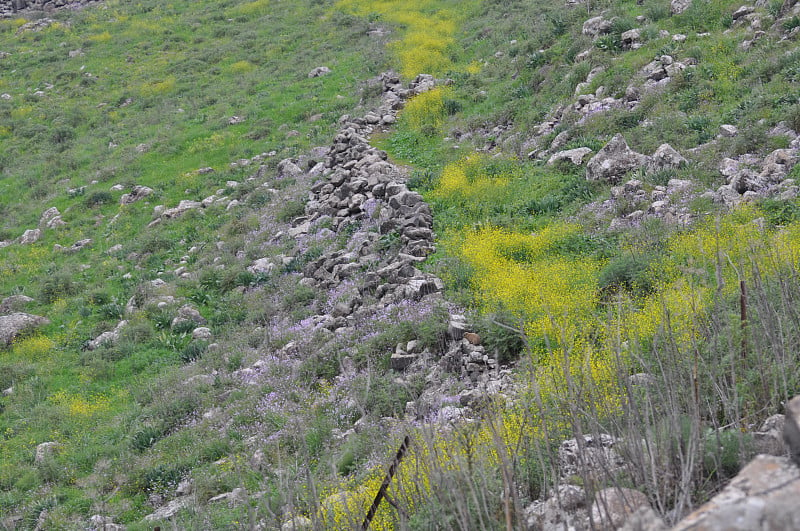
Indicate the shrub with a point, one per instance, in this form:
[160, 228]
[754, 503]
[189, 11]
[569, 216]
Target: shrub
[98, 198]
[193, 350]
[506, 344]
[626, 272]
[290, 210]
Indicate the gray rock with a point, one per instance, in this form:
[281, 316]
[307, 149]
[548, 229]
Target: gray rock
[46, 451]
[48, 216]
[575, 156]
[769, 437]
[613, 506]
[665, 157]
[742, 12]
[631, 38]
[187, 313]
[105, 523]
[319, 71]
[14, 324]
[762, 496]
[596, 26]
[235, 497]
[728, 131]
[30, 236]
[202, 333]
[644, 519]
[106, 338]
[595, 456]
[137, 194]
[171, 509]
[679, 6]
[14, 303]
[564, 509]
[298, 523]
[613, 161]
[791, 429]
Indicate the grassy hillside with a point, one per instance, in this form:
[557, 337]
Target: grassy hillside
[574, 285]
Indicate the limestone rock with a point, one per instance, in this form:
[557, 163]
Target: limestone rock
[728, 131]
[319, 71]
[762, 496]
[187, 313]
[14, 303]
[137, 193]
[595, 456]
[16, 323]
[679, 6]
[564, 509]
[613, 506]
[45, 451]
[666, 157]
[169, 510]
[596, 26]
[575, 156]
[106, 338]
[30, 236]
[202, 333]
[769, 437]
[644, 519]
[613, 161]
[298, 523]
[104, 523]
[48, 216]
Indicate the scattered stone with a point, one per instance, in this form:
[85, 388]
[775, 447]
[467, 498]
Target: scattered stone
[728, 131]
[16, 323]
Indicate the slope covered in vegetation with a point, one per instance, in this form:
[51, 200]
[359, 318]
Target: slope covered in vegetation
[219, 319]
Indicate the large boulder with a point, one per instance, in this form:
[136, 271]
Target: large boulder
[614, 161]
[16, 323]
[764, 495]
